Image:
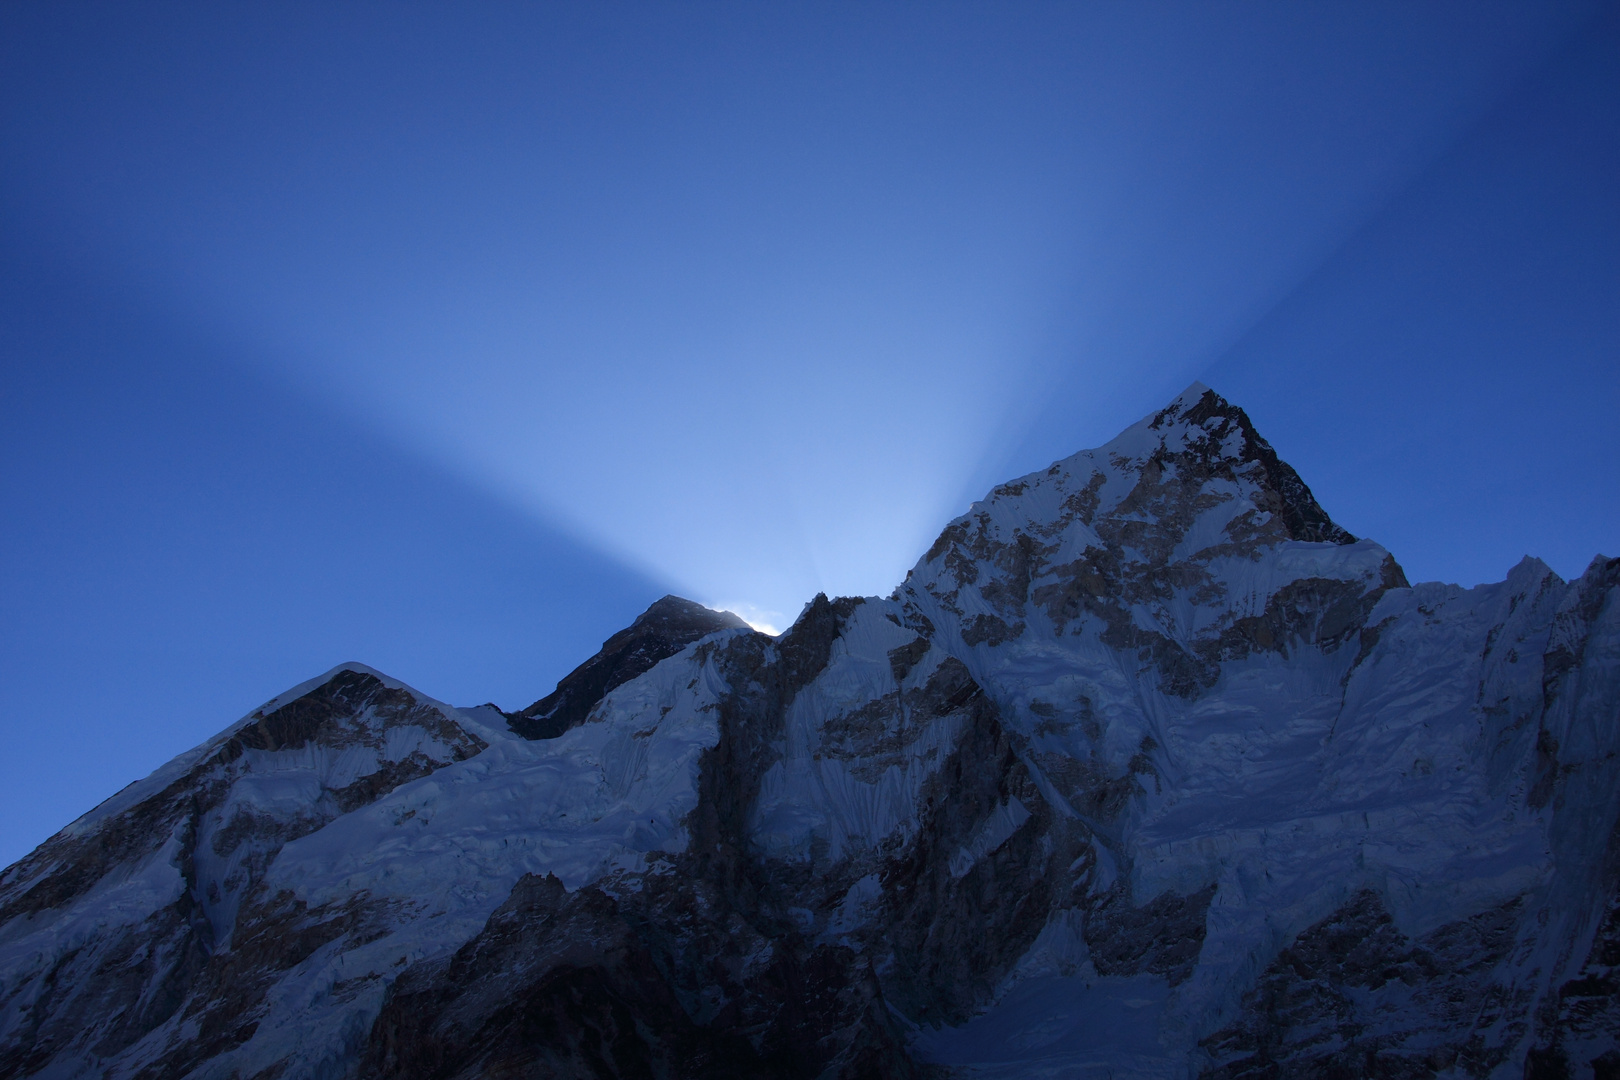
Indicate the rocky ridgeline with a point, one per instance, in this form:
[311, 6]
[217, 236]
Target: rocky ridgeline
[1148, 769]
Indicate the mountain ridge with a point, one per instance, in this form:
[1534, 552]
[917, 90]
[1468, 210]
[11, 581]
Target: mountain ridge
[1148, 767]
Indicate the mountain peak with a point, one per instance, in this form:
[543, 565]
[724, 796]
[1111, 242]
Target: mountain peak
[1192, 407]
[1225, 432]
[669, 625]
[670, 611]
[1192, 395]
[1153, 536]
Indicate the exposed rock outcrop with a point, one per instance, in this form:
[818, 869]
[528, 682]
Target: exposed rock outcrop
[1148, 769]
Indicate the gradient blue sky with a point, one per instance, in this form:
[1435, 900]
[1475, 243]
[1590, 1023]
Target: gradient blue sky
[446, 338]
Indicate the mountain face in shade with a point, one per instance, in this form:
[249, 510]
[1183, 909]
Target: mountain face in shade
[1148, 769]
[658, 633]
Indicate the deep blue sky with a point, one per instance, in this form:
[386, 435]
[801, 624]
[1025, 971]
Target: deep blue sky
[446, 338]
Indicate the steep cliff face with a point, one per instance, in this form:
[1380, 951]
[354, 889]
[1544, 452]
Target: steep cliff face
[1147, 769]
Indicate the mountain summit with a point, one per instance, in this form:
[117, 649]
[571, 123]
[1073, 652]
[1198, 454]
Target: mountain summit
[1147, 769]
[658, 633]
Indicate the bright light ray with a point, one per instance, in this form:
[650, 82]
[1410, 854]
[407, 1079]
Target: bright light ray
[757, 302]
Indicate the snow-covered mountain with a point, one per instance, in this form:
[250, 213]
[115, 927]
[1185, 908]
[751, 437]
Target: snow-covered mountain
[1148, 769]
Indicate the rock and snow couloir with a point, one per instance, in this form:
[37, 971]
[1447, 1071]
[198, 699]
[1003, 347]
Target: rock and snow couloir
[1148, 769]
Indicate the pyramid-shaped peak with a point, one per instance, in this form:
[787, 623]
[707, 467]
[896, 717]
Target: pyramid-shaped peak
[1199, 437]
[673, 611]
[1203, 424]
[669, 625]
[1198, 406]
[1194, 393]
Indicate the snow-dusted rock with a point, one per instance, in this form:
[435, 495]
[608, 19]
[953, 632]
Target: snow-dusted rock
[1147, 769]
[139, 919]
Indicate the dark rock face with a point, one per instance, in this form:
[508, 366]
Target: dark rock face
[663, 630]
[1163, 936]
[953, 929]
[557, 985]
[226, 1003]
[1287, 496]
[1354, 997]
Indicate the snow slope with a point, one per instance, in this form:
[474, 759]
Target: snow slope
[1148, 768]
